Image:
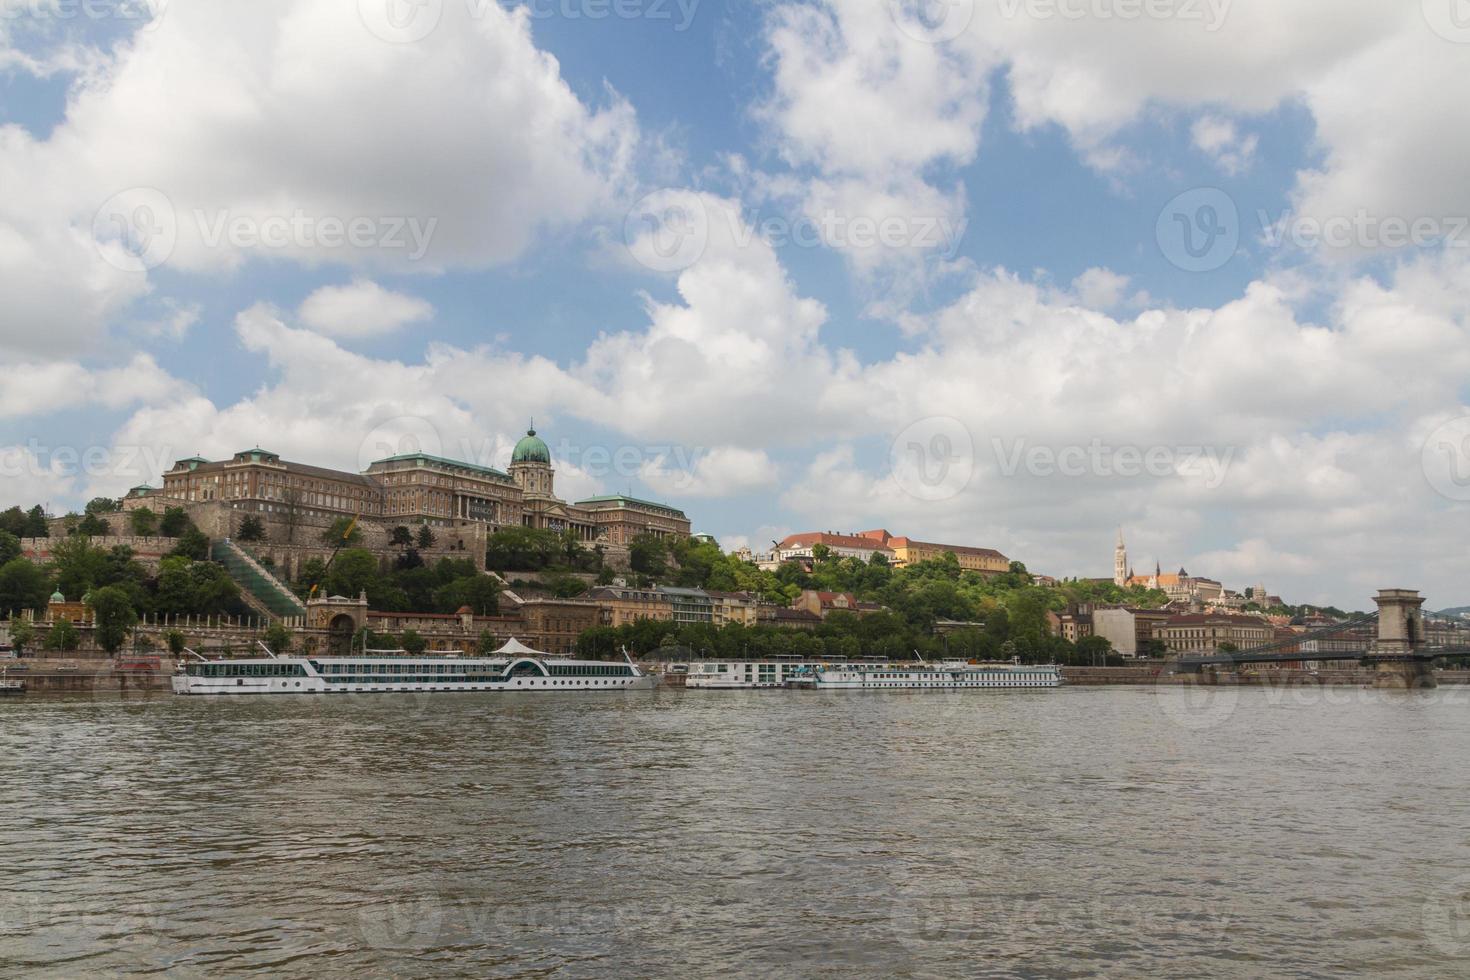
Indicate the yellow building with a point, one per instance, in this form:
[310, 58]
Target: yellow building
[622, 606]
[734, 608]
[907, 551]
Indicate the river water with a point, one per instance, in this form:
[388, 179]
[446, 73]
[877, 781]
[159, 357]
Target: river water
[1074, 833]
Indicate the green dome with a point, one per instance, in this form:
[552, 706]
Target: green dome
[531, 450]
[57, 597]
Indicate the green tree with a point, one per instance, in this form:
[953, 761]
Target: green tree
[195, 588]
[9, 547]
[92, 526]
[344, 531]
[252, 528]
[401, 537]
[115, 617]
[1094, 649]
[520, 549]
[354, 571]
[13, 521]
[62, 636]
[412, 643]
[144, 522]
[36, 524]
[648, 556]
[103, 505]
[23, 586]
[192, 544]
[22, 633]
[278, 638]
[481, 593]
[79, 566]
[486, 644]
[176, 642]
[174, 522]
[1153, 649]
[425, 538]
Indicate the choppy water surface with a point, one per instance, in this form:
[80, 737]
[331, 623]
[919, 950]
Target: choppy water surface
[1081, 832]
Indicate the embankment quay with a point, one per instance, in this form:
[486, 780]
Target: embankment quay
[81, 676]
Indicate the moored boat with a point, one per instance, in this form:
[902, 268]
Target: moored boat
[513, 668]
[950, 675]
[732, 675]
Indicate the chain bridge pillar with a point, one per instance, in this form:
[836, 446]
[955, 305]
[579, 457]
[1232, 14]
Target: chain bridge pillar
[1395, 656]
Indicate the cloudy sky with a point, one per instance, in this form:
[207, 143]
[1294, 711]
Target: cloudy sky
[1003, 272]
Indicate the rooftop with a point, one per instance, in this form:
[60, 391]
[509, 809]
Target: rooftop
[426, 458]
[623, 500]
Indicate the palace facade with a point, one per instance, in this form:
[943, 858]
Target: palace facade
[410, 489]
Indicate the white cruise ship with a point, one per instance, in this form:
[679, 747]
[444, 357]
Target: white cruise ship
[513, 668]
[951, 675]
[732, 675]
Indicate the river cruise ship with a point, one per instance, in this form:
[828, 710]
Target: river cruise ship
[734, 675]
[951, 675]
[511, 669]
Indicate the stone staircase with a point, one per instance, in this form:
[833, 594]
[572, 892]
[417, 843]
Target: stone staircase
[259, 589]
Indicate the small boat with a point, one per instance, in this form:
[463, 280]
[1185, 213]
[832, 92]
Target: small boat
[10, 688]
